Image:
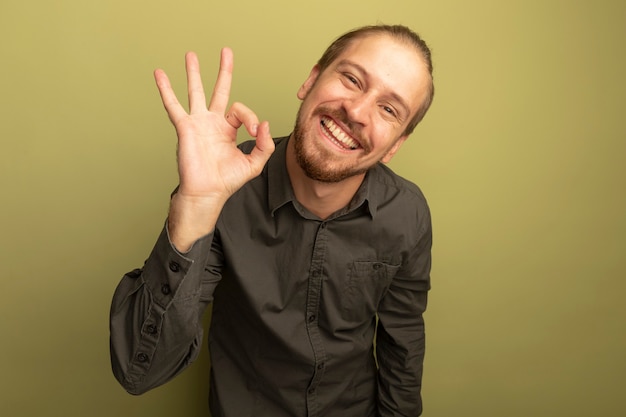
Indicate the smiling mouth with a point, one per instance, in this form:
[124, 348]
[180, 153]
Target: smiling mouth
[338, 136]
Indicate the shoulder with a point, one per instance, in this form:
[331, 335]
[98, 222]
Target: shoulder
[389, 186]
[398, 202]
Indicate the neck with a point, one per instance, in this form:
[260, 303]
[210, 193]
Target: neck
[320, 198]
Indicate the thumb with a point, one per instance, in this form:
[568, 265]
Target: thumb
[263, 148]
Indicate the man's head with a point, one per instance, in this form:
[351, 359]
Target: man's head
[361, 101]
[398, 32]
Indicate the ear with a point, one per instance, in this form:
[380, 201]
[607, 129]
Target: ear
[385, 159]
[309, 82]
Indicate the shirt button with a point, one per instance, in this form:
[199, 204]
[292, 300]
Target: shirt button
[311, 318]
[165, 289]
[151, 329]
[311, 390]
[142, 357]
[377, 266]
[320, 366]
[174, 266]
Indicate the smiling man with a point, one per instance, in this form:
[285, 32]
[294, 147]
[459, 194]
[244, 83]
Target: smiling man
[314, 255]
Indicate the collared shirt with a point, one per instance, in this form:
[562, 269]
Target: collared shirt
[298, 303]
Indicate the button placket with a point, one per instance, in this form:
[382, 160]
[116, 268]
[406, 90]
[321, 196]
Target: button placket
[312, 313]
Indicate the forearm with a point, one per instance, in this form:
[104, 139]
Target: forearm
[400, 347]
[156, 315]
[400, 360]
[192, 217]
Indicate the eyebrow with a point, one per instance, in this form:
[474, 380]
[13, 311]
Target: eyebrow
[395, 96]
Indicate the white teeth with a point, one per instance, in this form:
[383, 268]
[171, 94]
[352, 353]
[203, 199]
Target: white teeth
[338, 134]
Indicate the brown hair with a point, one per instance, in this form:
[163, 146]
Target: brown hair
[398, 32]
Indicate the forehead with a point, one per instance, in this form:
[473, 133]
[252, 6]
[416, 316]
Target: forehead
[390, 64]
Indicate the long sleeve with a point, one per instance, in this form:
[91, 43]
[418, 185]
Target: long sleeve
[400, 340]
[156, 315]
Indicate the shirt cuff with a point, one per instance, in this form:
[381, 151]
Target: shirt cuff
[169, 273]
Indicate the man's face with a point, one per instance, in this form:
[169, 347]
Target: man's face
[353, 114]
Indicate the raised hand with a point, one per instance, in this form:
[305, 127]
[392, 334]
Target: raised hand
[210, 166]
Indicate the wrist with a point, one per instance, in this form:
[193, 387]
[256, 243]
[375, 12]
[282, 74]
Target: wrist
[192, 217]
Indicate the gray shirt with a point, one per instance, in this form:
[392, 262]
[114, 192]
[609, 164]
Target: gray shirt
[310, 317]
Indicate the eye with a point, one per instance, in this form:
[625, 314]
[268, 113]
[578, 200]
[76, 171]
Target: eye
[351, 79]
[389, 110]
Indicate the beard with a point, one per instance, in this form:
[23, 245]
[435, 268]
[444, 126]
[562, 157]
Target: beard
[316, 162]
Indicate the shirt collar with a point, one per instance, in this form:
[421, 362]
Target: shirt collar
[280, 191]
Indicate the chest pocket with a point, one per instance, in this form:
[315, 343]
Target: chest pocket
[365, 286]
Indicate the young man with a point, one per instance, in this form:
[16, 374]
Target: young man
[307, 246]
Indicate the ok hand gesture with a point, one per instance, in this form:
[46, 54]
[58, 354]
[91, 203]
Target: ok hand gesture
[210, 166]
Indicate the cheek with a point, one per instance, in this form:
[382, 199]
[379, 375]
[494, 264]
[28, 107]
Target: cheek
[309, 101]
[384, 138]
[326, 91]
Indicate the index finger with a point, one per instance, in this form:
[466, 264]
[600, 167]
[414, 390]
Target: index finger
[221, 91]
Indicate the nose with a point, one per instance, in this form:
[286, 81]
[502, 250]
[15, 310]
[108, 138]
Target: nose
[358, 108]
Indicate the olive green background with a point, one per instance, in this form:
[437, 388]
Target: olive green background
[521, 157]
